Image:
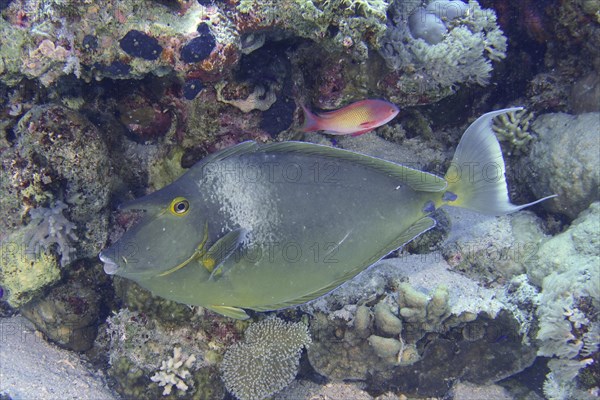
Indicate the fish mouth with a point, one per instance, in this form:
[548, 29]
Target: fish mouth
[110, 267]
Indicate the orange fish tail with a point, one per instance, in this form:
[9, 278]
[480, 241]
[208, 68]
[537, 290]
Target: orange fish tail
[311, 121]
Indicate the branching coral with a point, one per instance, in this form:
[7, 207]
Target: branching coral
[266, 361]
[513, 128]
[174, 372]
[51, 227]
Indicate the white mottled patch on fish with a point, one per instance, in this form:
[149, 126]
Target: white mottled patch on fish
[246, 203]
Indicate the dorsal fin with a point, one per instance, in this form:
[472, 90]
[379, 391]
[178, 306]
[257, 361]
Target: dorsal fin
[418, 180]
[240, 148]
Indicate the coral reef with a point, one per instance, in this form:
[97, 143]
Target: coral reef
[266, 361]
[567, 81]
[400, 336]
[58, 153]
[100, 103]
[141, 345]
[258, 99]
[566, 269]
[563, 160]
[492, 249]
[144, 118]
[437, 48]
[347, 26]
[68, 315]
[117, 40]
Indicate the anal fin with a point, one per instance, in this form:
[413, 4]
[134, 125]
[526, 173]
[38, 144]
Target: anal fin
[228, 311]
[361, 132]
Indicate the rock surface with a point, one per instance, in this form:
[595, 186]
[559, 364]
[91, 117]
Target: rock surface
[564, 161]
[31, 368]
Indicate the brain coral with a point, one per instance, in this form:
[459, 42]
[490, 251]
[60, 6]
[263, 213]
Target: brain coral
[266, 361]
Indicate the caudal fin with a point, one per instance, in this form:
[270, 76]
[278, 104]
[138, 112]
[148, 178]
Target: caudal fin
[311, 122]
[476, 178]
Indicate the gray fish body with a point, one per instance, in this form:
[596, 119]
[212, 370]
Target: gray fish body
[264, 227]
[309, 220]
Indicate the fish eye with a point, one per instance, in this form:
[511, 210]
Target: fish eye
[179, 206]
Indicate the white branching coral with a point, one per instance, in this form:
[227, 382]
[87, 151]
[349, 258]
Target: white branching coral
[266, 361]
[175, 372]
[51, 227]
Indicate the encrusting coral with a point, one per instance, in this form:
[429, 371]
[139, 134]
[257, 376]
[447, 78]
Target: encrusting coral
[266, 361]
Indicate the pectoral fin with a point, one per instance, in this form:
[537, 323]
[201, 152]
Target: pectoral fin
[221, 250]
[232, 312]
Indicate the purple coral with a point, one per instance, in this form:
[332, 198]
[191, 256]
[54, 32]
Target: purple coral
[51, 227]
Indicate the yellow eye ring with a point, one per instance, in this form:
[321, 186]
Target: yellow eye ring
[179, 206]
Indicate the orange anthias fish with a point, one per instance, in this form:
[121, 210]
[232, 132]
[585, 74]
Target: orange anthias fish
[354, 119]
